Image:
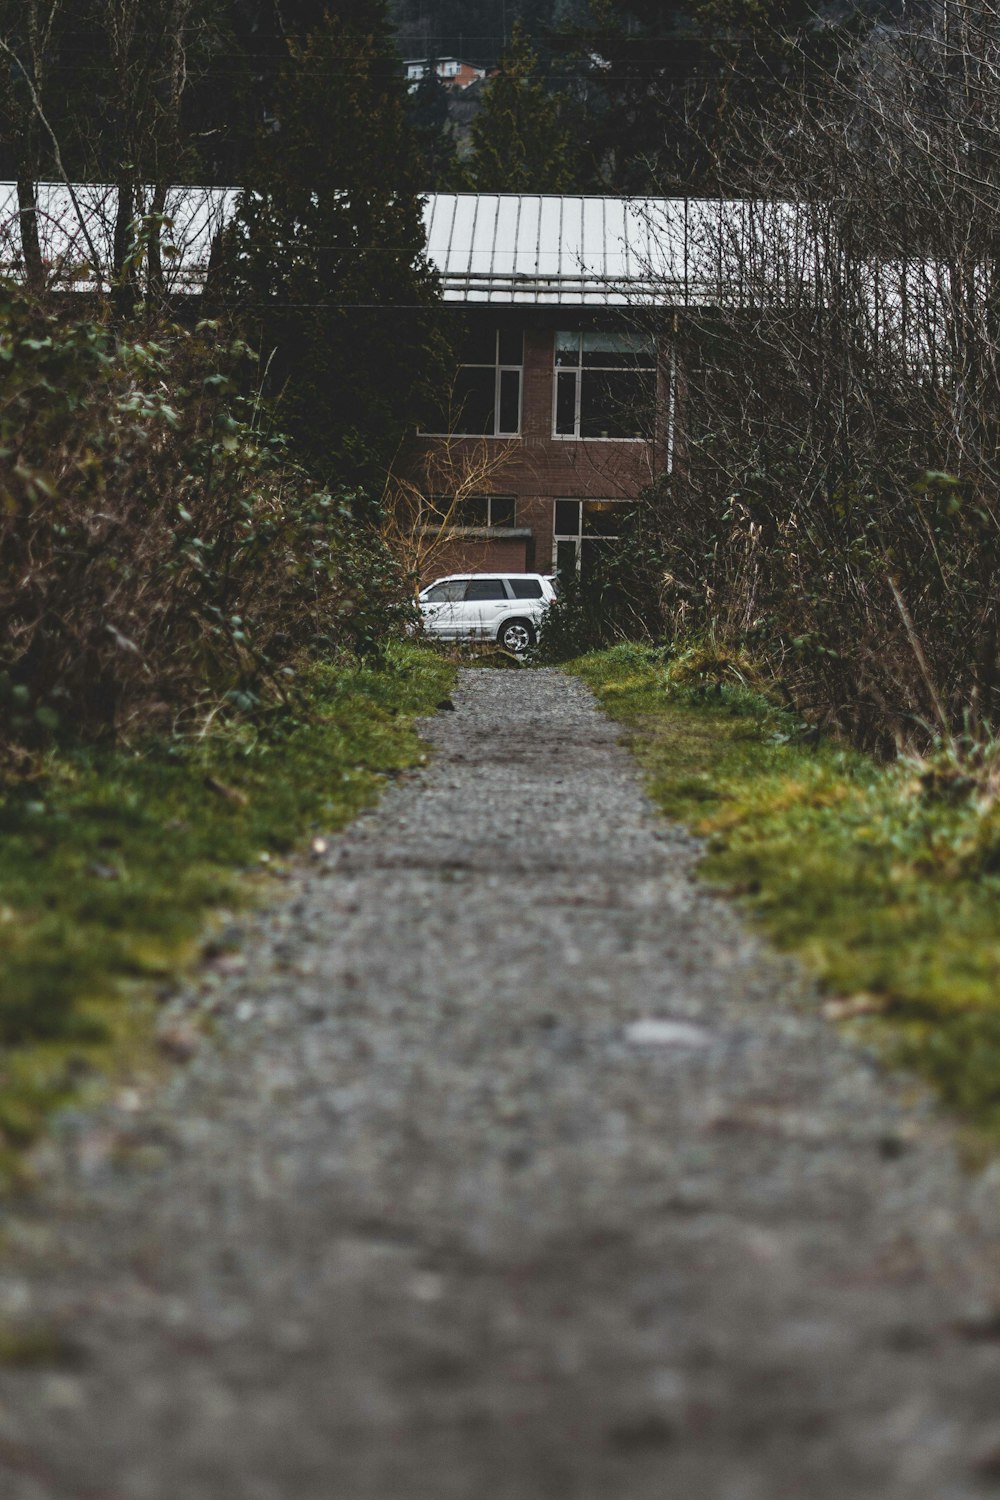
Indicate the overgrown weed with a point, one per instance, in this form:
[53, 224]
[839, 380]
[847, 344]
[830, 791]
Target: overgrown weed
[882, 883]
[111, 861]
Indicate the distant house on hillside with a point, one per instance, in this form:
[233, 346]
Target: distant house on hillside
[451, 71]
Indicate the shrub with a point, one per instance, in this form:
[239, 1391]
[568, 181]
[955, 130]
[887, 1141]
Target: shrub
[614, 598]
[161, 558]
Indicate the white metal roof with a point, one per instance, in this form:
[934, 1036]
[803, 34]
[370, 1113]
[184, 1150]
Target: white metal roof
[488, 248]
[495, 248]
[554, 249]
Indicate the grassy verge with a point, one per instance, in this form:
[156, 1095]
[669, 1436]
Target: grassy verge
[110, 864]
[886, 880]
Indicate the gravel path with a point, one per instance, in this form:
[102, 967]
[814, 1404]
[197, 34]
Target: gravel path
[515, 1169]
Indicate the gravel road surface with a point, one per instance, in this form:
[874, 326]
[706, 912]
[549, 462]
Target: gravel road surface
[514, 1168]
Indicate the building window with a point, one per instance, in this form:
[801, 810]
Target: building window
[486, 510]
[486, 397]
[605, 385]
[470, 510]
[580, 527]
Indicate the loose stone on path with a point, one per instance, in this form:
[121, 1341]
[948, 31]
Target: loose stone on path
[513, 1168]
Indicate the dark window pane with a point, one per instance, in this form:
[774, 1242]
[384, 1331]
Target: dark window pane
[475, 397]
[604, 517]
[593, 558]
[435, 418]
[615, 404]
[434, 509]
[567, 517]
[510, 400]
[511, 347]
[503, 510]
[565, 558]
[566, 403]
[525, 588]
[478, 346]
[485, 588]
[473, 510]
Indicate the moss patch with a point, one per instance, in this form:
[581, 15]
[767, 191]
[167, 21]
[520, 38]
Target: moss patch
[885, 879]
[110, 864]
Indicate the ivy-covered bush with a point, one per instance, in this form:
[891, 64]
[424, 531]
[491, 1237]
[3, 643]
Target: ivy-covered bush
[161, 557]
[617, 596]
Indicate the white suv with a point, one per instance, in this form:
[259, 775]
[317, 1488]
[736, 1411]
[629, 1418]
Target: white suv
[504, 607]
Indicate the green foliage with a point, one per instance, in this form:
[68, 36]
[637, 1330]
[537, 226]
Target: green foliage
[881, 878]
[581, 618]
[431, 123]
[160, 556]
[111, 861]
[325, 261]
[520, 142]
[614, 597]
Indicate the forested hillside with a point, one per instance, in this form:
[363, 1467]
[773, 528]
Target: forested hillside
[477, 30]
[646, 95]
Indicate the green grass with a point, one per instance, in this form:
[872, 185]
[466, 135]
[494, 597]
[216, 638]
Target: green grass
[885, 879]
[110, 865]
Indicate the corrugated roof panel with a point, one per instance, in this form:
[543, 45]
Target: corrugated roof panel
[462, 251]
[591, 257]
[505, 248]
[568, 248]
[439, 215]
[662, 231]
[619, 233]
[542, 235]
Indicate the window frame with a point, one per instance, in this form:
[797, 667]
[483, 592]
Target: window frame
[499, 368]
[578, 371]
[581, 535]
[443, 510]
[491, 524]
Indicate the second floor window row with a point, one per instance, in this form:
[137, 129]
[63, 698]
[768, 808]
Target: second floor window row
[604, 386]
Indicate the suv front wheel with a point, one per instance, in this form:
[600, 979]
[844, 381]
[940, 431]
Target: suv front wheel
[516, 635]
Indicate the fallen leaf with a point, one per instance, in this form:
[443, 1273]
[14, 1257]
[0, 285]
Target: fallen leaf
[862, 1004]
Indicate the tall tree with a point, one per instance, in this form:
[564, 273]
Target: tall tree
[147, 43]
[430, 120]
[326, 256]
[520, 141]
[27, 41]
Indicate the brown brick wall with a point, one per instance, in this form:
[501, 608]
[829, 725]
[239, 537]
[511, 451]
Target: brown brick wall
[472, 556]
[539, 469]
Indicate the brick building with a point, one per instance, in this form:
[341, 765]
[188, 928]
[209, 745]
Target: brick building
[562, 402]
[566, 400]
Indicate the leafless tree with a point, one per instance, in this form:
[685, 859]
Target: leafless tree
[424, 504]
[26, 32]
[834, 497]
[147, 44]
